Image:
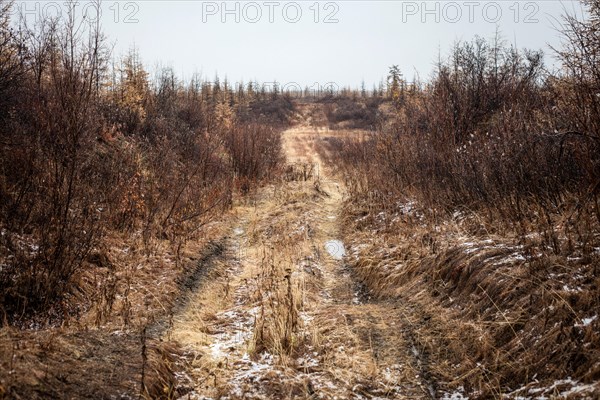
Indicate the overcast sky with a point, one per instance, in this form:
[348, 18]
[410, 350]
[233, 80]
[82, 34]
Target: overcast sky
[311, 42]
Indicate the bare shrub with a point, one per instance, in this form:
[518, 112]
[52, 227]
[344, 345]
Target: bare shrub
[51, 209]
[87, 153]
[482, 189]
[481, 138]
[254, 150]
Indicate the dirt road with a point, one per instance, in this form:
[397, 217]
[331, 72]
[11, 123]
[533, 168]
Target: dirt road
[279, 314]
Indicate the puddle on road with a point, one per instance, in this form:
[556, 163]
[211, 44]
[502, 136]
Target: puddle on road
[335, 248]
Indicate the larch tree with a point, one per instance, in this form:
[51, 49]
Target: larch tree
[133, 89]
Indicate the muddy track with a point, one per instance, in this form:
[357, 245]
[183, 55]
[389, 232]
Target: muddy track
[278, 313]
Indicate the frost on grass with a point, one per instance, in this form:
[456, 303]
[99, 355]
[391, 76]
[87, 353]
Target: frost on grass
[237, 331]
[562, 388]
[456, 395]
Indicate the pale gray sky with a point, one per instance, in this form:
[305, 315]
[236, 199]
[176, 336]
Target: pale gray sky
[316, 42]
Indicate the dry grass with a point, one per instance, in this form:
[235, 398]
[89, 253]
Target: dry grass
[280, 318]
[493, 314]
[51, 363]
[465, 207]
[114, 196]
[126, 300]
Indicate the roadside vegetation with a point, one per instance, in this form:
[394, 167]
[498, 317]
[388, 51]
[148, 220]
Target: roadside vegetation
[476, 196]
[89, 149]
[111, 182]
[162, 238]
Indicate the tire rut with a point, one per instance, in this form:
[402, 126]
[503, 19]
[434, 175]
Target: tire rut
[275, 316]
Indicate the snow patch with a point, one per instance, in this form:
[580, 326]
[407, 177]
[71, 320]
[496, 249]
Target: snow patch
[456, 395]
[561, 388]
[336, 249]
[587, 321]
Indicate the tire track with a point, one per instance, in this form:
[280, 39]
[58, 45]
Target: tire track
[280, 314]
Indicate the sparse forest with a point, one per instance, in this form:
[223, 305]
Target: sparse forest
[201, 238]
[90, 149]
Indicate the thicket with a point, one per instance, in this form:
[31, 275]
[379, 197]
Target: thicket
[90, 146]
[496, 137]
